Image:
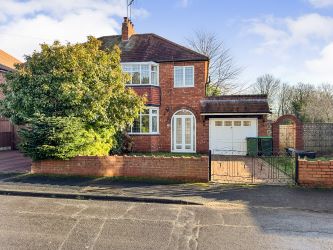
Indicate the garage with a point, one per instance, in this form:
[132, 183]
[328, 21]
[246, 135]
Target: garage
[227, 136]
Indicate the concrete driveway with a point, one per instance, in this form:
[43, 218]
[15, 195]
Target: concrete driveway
[247, 170]
[14, 162]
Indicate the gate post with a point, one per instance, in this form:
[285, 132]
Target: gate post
[209, 165]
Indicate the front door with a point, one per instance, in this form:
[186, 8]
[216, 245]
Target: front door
[183, 133]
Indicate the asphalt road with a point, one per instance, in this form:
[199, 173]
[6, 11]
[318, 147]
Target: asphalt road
[45, 223]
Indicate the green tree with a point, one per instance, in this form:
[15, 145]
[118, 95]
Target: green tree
[300, 99]
[76, 85]
[213, 90]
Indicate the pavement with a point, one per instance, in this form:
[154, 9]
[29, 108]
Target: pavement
[320, 200]
[44, 223]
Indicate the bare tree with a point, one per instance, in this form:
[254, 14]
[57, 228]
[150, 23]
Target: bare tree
[284, 99]
[268, 85]
[301, 95]
[223, 72]
[319, 105]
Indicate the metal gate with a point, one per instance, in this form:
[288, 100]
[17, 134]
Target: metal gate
[253, 169]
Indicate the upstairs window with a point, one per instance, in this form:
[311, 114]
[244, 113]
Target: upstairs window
[146, 123]
[183, 76]
[141, 74]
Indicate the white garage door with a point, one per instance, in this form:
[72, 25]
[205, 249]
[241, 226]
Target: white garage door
[228, 136]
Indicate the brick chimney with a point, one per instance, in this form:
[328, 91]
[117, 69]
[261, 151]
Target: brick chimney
[127, 29]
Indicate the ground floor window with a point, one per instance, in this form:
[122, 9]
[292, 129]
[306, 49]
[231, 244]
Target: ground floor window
[183, 131]
[146, 123]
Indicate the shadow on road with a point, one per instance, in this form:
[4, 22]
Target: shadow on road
[251, 195]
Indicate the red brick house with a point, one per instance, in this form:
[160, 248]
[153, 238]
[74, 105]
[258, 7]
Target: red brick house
[7, 131]
[179, 117]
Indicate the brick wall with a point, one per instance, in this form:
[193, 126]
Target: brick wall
[2, 77]
[263, 126]
[177, 168]
[315, 173]
[2, 80]
[173, 100]
[152, 94]
[146, 143]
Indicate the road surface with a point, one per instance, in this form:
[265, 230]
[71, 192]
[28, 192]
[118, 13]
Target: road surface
[46, 223]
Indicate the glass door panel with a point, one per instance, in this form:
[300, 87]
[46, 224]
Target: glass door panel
[179, 133]
[183, 133]
[188, 133]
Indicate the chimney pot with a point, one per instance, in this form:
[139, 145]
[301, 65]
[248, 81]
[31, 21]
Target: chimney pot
[127, 29]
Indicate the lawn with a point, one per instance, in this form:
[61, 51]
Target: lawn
[322, 158]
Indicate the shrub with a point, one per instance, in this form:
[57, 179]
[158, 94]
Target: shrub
[71, 98]
[123, 143]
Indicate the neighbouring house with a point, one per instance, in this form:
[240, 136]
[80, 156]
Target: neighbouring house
[179, 117]
[7, 131]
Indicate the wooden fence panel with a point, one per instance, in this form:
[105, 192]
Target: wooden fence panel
[6, 134]
[318, 137]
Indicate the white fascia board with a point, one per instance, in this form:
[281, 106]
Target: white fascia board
[230, 114]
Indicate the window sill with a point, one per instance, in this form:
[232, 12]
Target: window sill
[183, 151]
[142, 85]
[181, 87]
[145, 134]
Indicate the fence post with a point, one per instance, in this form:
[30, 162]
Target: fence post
[296, 168]
[209, 165]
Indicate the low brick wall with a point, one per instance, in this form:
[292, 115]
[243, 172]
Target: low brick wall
[315, 173]
[176, 168]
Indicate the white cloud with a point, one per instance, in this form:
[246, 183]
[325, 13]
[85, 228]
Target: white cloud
[294, 49]
[280, 34]
[323, 64]
[321, 3]
[310, 26]
[26, 24]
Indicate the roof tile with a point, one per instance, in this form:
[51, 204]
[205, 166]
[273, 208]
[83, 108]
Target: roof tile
[7, 60]
[150, 47]
[235, 104]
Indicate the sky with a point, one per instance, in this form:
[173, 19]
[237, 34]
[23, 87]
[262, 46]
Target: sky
[291, 39]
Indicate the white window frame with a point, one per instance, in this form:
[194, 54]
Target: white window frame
[150, 64]
[173, 132]
[150, 123]
[183, 83]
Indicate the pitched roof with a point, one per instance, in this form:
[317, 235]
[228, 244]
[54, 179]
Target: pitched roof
[150, 47]
[256, 104]
[7, 60]
[5, 68]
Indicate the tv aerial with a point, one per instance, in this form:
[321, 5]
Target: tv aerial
[129, 8]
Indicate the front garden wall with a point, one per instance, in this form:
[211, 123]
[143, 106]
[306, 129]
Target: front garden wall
[315, 173]
[175, 168]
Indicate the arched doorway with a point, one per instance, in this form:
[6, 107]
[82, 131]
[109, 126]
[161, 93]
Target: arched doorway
[183, 127]
[287, 133]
